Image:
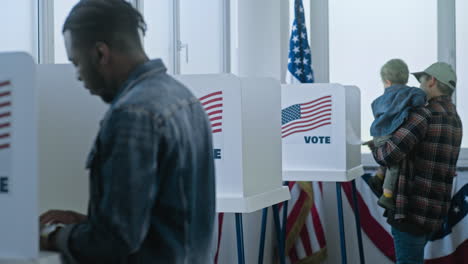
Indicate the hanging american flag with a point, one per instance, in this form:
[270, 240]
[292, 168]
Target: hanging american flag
[305, 235]
[5, 114]
[307, 116]
[213, 104]
[448, 245]
[300, 57]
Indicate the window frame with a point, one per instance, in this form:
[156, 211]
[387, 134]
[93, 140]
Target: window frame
[320, 42]
[177, 44]
[319, 9]
[45, 35]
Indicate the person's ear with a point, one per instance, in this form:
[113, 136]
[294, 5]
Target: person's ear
[431, 81]
[102, 52]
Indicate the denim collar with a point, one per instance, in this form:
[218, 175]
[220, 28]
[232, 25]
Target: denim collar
[155, 65]
[394, 87]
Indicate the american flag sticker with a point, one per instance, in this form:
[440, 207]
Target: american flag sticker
[213, 104]
[306, 117]
[5, 115]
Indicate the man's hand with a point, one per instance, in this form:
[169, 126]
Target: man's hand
[48, 243]
[370, 144]
[56, 217]
[63, 217]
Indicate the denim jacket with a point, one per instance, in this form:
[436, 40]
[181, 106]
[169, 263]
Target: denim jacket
[152, 178]
[391, 109]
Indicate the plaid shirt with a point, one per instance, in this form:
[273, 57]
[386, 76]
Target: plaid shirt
[426, 147]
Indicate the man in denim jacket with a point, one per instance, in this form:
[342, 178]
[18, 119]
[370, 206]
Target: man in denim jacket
[152, 178]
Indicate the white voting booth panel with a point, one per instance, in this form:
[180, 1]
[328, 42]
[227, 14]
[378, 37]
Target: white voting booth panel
[18, 173]
[69, 119]
[244, 113]
[67, 122]
[62, 121]
[321, 131]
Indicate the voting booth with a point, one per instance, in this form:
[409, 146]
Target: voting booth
[48, 123]
[245, 118]
[321, 131]
[19, 225]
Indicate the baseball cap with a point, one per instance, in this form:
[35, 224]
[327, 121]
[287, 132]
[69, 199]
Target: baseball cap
[442, 71]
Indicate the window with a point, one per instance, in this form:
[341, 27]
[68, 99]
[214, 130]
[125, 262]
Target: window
[365, 34]
[201, 36]
[189, 37]
[462, 64]
[158, 39]
[61, 10]
[18, 28]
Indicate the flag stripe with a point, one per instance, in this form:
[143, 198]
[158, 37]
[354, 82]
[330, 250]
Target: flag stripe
[6, 135]
[311, 231]
[303, 114]
[381, 238]
[306, 130]
[216, 118]
[316, 100]
[295, 211]
[315, 105]
[220, 230]
[212, 101]
[5, 104]
[313, 118]
[213, 106]
[5, 125]
[215, 112]
[323, 111]
[315, 125]
[5, 94]
[293, 255]
[306, 241]
[210, 95]
[4, 83]
[4, 146]
[7, 114]
[459, 256]
[300, 249]
[319, 233]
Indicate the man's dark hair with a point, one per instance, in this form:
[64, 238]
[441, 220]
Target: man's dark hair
[114, 22]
